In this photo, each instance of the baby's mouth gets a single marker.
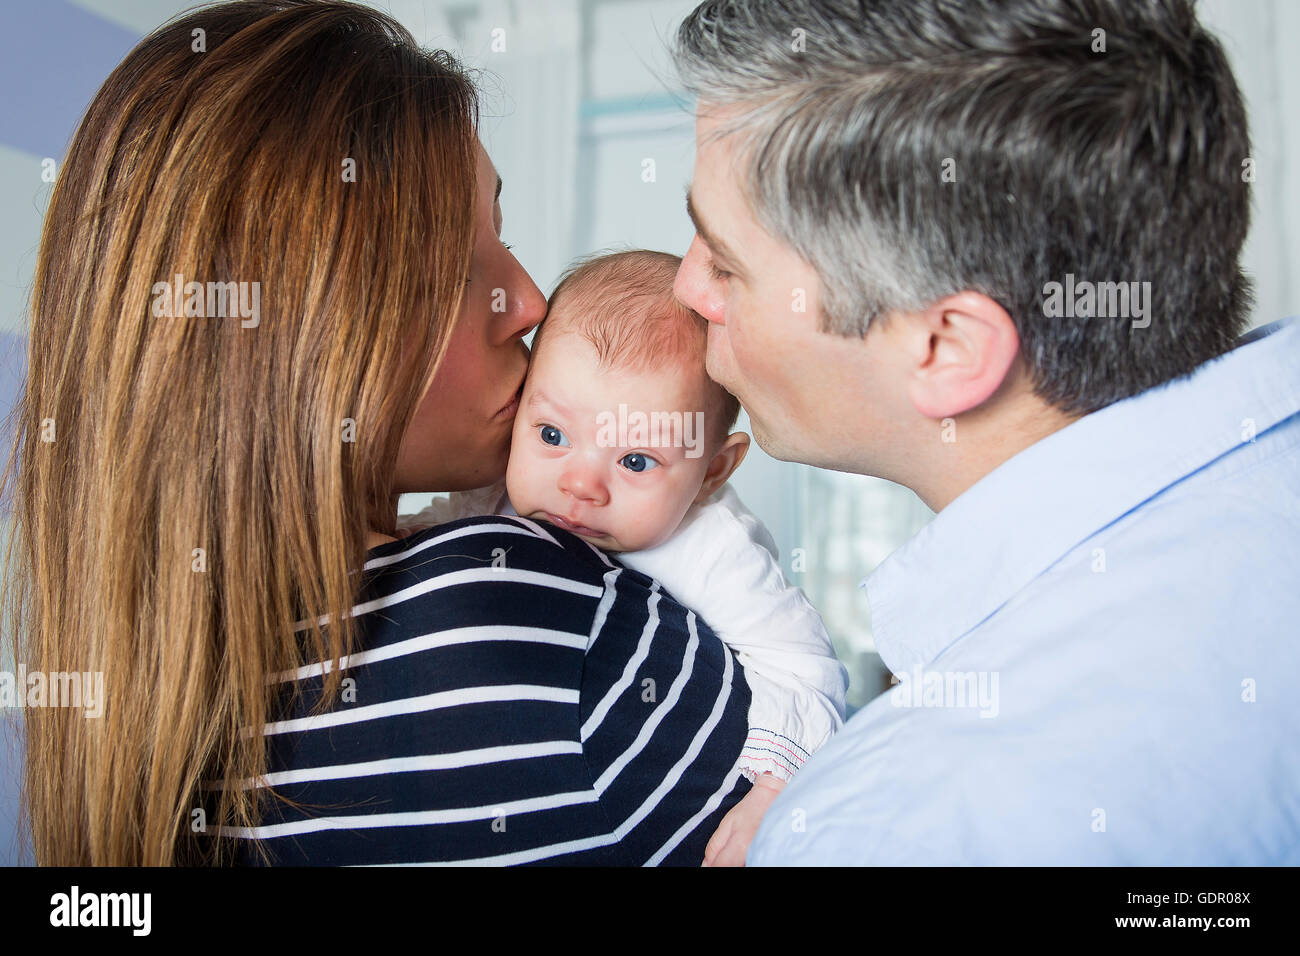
(570, 526)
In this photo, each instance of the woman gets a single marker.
(206, 495)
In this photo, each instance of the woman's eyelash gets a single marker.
(717, 273)
(508, 245)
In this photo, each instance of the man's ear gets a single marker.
(724, 462)
(960, 350)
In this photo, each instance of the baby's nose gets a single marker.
(583, 484)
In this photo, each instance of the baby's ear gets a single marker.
(724, 462)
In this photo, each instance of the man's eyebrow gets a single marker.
(716, 245)
(498, 192)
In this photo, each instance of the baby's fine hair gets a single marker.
(623, 304)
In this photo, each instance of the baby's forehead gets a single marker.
(567, 364)
(571, 363)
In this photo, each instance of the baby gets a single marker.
(622, 439)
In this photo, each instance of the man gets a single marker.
(990, 251)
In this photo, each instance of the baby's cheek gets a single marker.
(517, 484)
(652, 525)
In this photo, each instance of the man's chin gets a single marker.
(773, 445)
(764, 440)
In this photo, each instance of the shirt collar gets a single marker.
(1026, 514)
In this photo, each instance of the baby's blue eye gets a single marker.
(638, 462)
(553, 436)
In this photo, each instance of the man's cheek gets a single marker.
(715, 363)
(715, 339)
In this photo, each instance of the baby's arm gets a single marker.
(723, 564)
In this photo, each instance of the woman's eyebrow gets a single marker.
(498, 192)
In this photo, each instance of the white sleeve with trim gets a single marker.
(723, 564)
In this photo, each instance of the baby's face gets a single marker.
(566, 465)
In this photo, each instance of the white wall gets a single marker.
(1260, 37)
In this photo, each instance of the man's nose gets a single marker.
(581, 481)
(693, 286)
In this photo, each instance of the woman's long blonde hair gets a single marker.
(187, 488)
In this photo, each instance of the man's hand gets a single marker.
(728, 846)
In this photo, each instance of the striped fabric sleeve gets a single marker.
(664, 716)
(517, 698)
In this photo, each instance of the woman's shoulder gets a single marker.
(509, 548)
(482, 571)
(507, 669)
(459, 709)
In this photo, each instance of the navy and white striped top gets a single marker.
(518, 698)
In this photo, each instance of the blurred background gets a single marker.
(578, 95)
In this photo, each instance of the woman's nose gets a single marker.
(580, 481)
(529, 305)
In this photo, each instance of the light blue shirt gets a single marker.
(1100, 650)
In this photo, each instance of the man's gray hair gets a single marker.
(912, 150)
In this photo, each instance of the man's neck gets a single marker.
(977, 444)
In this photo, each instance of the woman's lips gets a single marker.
(570, 526)
(509, 409)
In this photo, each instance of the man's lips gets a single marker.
(570, 526)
